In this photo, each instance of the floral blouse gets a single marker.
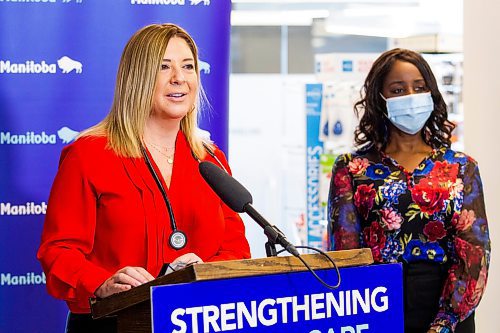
(435, 213)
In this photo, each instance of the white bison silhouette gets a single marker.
(204, 66)
(196, 2)
(66, 64)
(66, 134)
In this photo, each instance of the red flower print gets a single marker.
(390, 219)
(443, 172)
(465, 221)
(471, 254)
(374, 238)
(470, 298)
(473, 292)
(434, 230)
(342, 181)
(454, 219)
(345, 240)
(456, 188)
(450, 284)
(358, 165)
(429, 197)
(364, 198)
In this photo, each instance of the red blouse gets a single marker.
(106, 212)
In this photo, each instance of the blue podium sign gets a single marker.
(290, 302)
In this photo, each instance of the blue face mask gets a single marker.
(409, 112)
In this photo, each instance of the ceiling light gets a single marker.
(276, 18)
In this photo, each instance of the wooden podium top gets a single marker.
(228, 269)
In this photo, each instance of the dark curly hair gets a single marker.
(373, 128)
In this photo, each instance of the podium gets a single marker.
(133, 308)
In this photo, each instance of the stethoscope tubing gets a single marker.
(162, 189)
(212, 154)
(176, 234)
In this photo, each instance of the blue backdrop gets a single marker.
(58, 61)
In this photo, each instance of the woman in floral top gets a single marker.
(411, 199)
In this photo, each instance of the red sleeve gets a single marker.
(68, 232)
(234, 244)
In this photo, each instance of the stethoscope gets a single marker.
(177, 238)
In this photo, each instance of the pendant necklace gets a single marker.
(170, 158)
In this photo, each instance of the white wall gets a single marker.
(482, 121)
(267, 149)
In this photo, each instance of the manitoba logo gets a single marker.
(158, 2)
(66, 135)
(204, 66)
(29, 208)
(197, 2)
(30, 278)
(29, 138)
(65, 64)
(27, 67)
(37, 1)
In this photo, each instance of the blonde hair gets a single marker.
(139, 65)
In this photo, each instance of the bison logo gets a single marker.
(197, 2)
(66, 64)
(66, 134)
(204, 66)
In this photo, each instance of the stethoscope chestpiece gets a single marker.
(177, 239)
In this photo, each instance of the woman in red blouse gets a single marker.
(107, 227)
(412, 199)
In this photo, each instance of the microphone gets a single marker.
(237, 197)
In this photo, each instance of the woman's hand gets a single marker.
(431, 331)
(186, 259)
(123, 280)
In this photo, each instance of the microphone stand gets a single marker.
(270, 248)
(274, 235)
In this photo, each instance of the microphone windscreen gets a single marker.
(231, 192)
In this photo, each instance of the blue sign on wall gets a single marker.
(58, 62)
(347, 65)
(315, 213)
(292, 302)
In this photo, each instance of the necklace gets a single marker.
(170, 158)
(160, 147)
